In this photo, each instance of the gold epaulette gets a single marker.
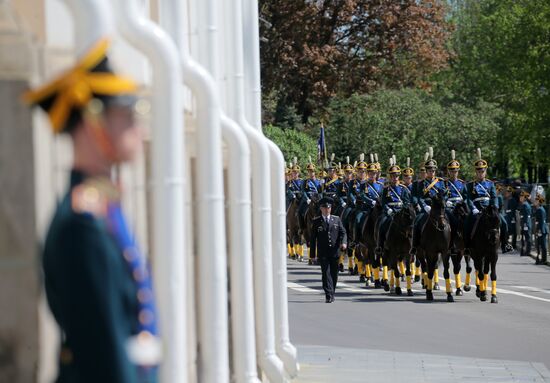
(93, 196)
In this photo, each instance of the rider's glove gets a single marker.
(344, 204)
(427, 209)
(308, 201)
(373, 202)
(390, 211)
(475, 211)
(449, 204)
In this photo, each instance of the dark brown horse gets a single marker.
(367, 242)
(398, 245)
(460, 214)
(294, 233)
(485, 243)
(435, 241)
(311, 212)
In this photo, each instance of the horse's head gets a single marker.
(406, 216)
(438, 202)
(315, 198)
(461, 210)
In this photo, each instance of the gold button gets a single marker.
(146, 317)
(66, 356)
(140, 274)
(130, 253)
(144, 295)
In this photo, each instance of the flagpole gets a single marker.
(325, 141)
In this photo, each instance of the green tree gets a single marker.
(293, 144)
(316, 50)
(406, 123)
(502, 55)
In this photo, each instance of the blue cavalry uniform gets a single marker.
(456, 194)
(294, 187)
(541, 233)
(367, 193)
(480, 194)
(526, 226)
(332, 188)
(310, 187)
(347, 193)
(394, 198)
(97, 282)
(426, 190)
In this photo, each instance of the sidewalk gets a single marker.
(320, 364)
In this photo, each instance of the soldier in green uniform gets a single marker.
(97, 282)
(541, 232)
(525, 214)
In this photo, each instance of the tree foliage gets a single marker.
(502, 55)
(293, 144)
(319, 49)
(406, 123)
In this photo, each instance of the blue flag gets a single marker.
(321, 145)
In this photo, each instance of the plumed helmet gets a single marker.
(453, 163)
(408, 171)
(480, 163)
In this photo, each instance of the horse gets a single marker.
(398, 245)
(367, 242)
(294, 233)
(460, 213)
(435, 241)
(312, 211)
(347, 215)
(485, 242)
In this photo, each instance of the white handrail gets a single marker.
(168, 181)
(93, 21)
(261, 198)
(212, 322)
(285, 349)
(238, 199)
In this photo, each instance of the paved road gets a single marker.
(365, 319)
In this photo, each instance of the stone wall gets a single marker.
(19, 277)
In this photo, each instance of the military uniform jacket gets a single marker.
(311, 187)
(395, 197)
(511, 208)
(429, 188)
(347, 191)
(525, 213)
(91, 294)
(540, 218)
(481, 194)
(293, 187)
(332, 188)
(326, 239)
(456, 190)
(368, 191)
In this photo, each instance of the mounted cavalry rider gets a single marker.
(408, 174)
(294, 185)
(395, 196)
(416, 187)
(456, 189)
(310, 187)
(427, 189)
(367, 189)
(378, 177)
(333, 185)
(480, 194)
(346, 191)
